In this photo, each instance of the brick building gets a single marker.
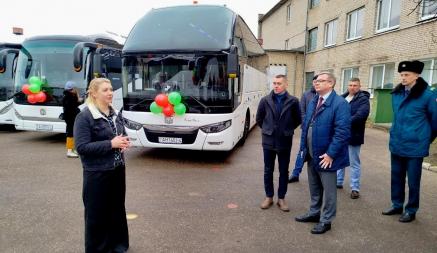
(360, 38)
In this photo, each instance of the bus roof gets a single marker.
(183, 28)
(97, 38)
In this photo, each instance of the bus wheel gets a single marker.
(246, 129)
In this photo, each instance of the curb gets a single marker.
(428, 166)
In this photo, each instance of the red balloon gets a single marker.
(25, 89)
(41, 97)
(32, 98)
(168, 111)
(161, 100)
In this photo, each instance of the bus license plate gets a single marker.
(170, 140)
(42, 127)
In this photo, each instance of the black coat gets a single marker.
(70, 104)
(93, 135)
(360, 108)
(278, 130)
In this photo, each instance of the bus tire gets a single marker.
(246, 129)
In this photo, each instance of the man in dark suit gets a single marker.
(278, 115)
(324, 145)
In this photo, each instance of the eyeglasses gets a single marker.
(322, 81)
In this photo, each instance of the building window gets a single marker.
(347, 74)
(288, 13)
(429, 9)
(314, 3)
(429, 73)
(309, 80)
(381, 77)
(312, 39)
(388, 14)
(286, 44)
(330, 33)
(355, 24)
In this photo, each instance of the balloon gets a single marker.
(25, 89)
(168, 111)
(35, 88)
(174, 98)
(41, 97)
(35, 80)
(155, 108)
(180, 109)
(32, 98)
(161, 100)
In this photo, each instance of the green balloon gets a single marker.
(180, 109)
(35, 88)
(35, 80)
(174, 98)
(155, 108)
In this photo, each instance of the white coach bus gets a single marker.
(49, 61)
(206, 53)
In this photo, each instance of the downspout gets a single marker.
(305, 48)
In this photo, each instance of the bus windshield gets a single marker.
(200, 79)
(7, 80)
(52, 62)
(206, 28)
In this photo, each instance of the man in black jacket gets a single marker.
(360, 106)
(278, 115)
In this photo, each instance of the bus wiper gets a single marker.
(200, 103)
(16, 94)
(137, 104)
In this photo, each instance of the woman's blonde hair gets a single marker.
(93, 87)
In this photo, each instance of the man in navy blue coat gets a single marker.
(278, 115)
(414, 128)
(359, 101)
(324, 145)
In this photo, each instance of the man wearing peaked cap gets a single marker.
(413, 129)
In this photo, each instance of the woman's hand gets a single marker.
(120, 141)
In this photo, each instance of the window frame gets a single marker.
(287, 43)
(388, 28)
(422, 8)
(371, 88)
(288, 17)
(312, 5)
(334, 23)
(316, 29)
(343, 79)
(348, 20)
(432, 70)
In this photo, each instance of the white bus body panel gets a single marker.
(38, 118)
(254, 88)
(6, 112)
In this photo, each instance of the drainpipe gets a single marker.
(305, 48)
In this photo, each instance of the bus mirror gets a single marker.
(233, 62)
(78, 53)
(97, 64)
(4, 56)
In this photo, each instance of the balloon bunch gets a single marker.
(168, 104)
(33, 90)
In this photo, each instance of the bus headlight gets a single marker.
(216, 127)
(132, 124)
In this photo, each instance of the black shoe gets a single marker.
(339, 186)
(293, 179)
(308, 218)
(407, 217)
(321, 228)
(355, 194)
(392, 211)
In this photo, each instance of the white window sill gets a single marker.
(387, 29)
(355, 38)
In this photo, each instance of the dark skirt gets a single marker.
(105, 214)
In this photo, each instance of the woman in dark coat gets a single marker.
(100, 142)
(70, 104)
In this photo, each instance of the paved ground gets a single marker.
(183, 200)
